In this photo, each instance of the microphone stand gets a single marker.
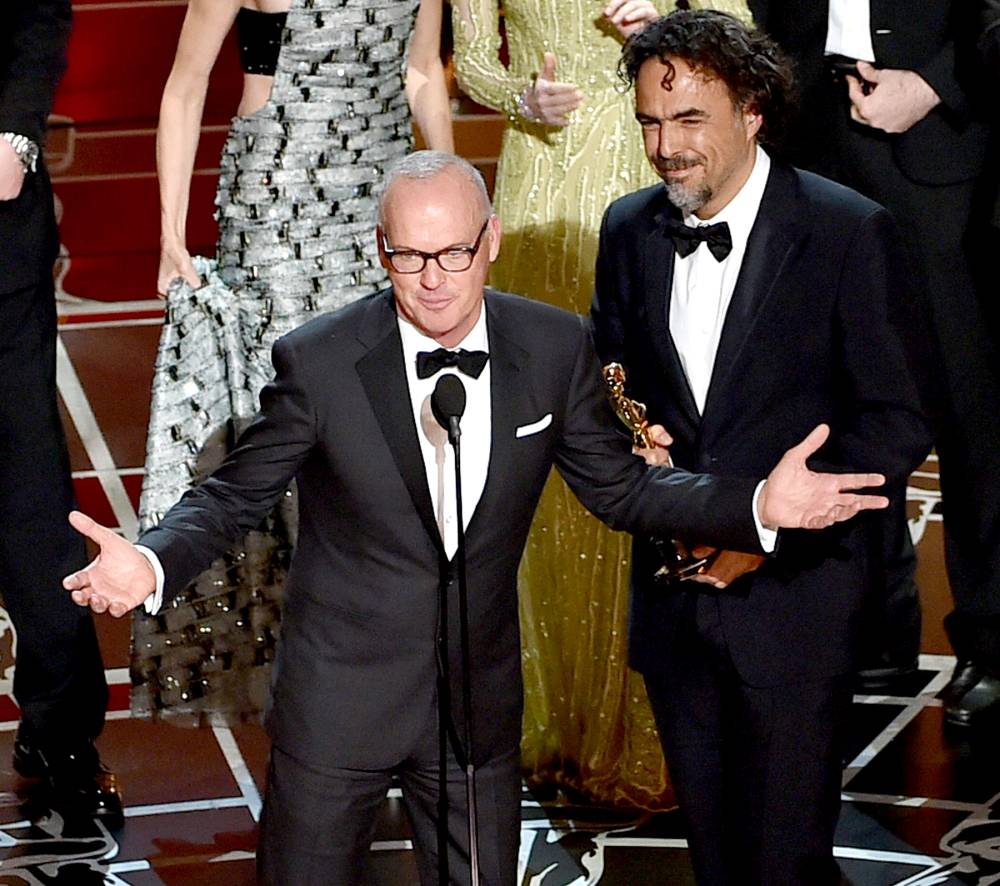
(454, 437)
(444, 719)
(448, 405)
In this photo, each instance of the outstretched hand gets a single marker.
(118, 579)
(795, 497)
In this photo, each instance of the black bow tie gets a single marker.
(686, 238)
(469, 362)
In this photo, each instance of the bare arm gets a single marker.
(426, 90)
(205, 27)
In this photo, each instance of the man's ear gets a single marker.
(752, 120)
(496, 233)
(380, 242)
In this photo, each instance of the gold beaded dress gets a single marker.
(587, 722)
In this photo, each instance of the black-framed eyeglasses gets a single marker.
(452, 259)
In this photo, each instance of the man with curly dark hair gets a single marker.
(748, 300)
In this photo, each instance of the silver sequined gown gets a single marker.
(296, 210)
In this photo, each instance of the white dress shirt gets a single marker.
(701, 290)
(439, 455)
(848, 29)
(702, 286)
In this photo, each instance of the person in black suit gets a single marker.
(354, 695)
(59, 678)
(901, 124)
(746, 301)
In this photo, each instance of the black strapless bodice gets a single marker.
(259, 36)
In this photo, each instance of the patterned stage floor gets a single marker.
(922, 807)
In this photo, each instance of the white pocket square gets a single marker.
(534, 427)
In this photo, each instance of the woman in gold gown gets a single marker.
(571, 146)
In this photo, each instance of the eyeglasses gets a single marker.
(452, 259)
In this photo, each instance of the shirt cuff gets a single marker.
(768, 537)
(154, 601)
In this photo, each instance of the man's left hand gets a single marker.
(896, 100)
(11, 171)
(795, 497)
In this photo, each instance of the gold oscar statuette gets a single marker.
(680, 562)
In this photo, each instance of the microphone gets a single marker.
(448, 404)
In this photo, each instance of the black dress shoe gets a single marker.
(963, 678)
(977, 705)
(78, 782)
(883, 675)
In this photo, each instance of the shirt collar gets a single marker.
(414, 341)
(741, 212)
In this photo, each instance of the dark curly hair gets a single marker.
(758, 74)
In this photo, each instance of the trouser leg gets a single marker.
(317, 826)
(59, 678)
(756, 770)
(498, 811)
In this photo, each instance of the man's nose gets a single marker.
(431, 277)
(666, 143)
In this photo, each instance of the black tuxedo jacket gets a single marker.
(33, 35)
(355, 672)
(807, 339)
(935, 38)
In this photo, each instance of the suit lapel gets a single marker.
(508, 365)
(383, 377)
(770, 243)
(658, 269)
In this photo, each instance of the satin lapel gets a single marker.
(383, 377)
(509, 397)
(657, 275)
(770, 243)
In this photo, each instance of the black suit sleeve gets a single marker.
(621, 490)
(32, 61)
(246, 486)
(606, 310)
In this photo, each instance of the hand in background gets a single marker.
(796, 498)
(896, 99)
(660, 454)
(175, 262)
(629, 16)
(549, 101)
(118, 579)
(11, 172)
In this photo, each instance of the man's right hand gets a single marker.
(118, 579)
(175, 262)
(794, 497)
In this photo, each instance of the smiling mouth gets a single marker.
(435, 304)
(671, 169)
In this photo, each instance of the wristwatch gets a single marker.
(24, 147)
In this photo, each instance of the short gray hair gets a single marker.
(428, 164)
